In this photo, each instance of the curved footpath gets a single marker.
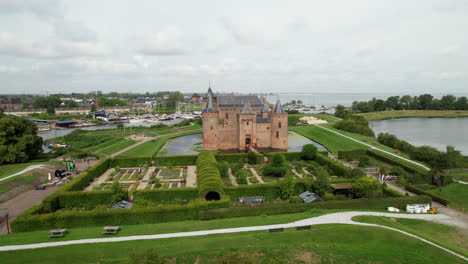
(334, 218)
(29, 168)
(372, 147)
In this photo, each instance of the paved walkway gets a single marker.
(335, 218)
(254, 172)
(29, 168)
(233, 179)
(372, 147)
(297, 173)
(145, 180)
(191, 180)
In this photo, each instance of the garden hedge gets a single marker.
(130, 162)
(436, 198)
(208, 177)
(337, 168)
(179, 160)
(88, 199)
(290, 156)
(286, 208)
(408, 166)
(351, 154)
(104, 217)
(166, 195)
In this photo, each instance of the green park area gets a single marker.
(330, 243)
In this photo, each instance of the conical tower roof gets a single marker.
(266, 108)
(247, 109)
(209, 105)
(278, 108)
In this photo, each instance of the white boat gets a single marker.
(136, 120)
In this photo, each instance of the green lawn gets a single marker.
(116, 147)
(322, 244)
(444, 235)
(331, 141)
(462, 176)
(161, 228)
(457, 194)
(8, 169)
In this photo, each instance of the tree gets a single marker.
(117, 193)
(341, 112)
(293, 102)
(322, 182)
(461, 103)
(70, 103)
(366, 187)
(299, 102)
(93, 108)
(278, 166)
(425, 101)
(405, 102)
(195, 95)
(103, 101)
(18, 139)
(392, 103)
(309, 151)
(287, 186)
(447, 102)
(49, 102)
(355, 173)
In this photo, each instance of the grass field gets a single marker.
(447, 236)
(116, 147)
(322, 244)
(161, 228)
(8, 169)
(414, 113)
(331, 141)
(457, 193)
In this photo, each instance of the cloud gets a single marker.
(11, 45)
(74, 31)
(8, 69)
(450, 75)
(43, 9)
(167, 42)
(450, 50)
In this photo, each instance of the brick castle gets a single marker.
(242, 122)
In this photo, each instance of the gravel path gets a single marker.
(334, 218)
(254, 172)
(233, 179)
(191, 180)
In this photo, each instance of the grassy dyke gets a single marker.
(332, 243)
(9, 169)
(456, 193)
(331, 141)
(116, 147)
(414, 113)
(447, 236)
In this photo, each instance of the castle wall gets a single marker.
(228, 128)
(263, 135)
(279, 131)
(246, 129)
(210, 130)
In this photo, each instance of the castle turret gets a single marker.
(279, 127)
(210, 118)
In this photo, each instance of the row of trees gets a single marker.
(437, 159)
(355, 124)
(407, 102)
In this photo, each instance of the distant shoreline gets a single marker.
(383, 115)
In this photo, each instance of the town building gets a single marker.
(243, 122)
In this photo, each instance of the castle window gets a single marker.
(227, 116)
(211, 127)
(277, 134)
(268, 128)
(247, 122)
(279, 124)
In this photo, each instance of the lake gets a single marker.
(192, 144)
(435, 132)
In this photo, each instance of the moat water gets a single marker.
(435, 132)
(192, 144)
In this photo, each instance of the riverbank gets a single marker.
(414, 113)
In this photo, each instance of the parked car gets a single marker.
(39, 187)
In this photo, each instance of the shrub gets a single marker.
(337, 168)
(322, 184)
(309, 151)
(295, 199)
(117, 193)
(287, 187)
(366, 187)
(355, 173)
(277, 166)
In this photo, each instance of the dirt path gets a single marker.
(29, 168)
(233, 179)
(297, 173)
(254, 172)
(24, 201)
(334, 218)
(132, 146)
(191, 180)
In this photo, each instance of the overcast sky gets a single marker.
(242, 46)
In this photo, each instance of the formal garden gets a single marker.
(209, 186)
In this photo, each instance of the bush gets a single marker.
(295, 199)
(337, 168)
(309, 151)
(355, 173)
(163, 196)
(366, 187)
(287, 187)
(355, 124)
(277, 166)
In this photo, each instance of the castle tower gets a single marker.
(210, 116)
(247, 127)
(279, 127)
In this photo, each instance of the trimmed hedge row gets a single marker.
(130, 162)
(166, 195)
(208, 177)
(408, 166)
(286, 208)
(290, 156)
(391, 193)
(87, 199)
(337, 168)
(422, 192)
(232, 158)
(100, 217)
(179, 160)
